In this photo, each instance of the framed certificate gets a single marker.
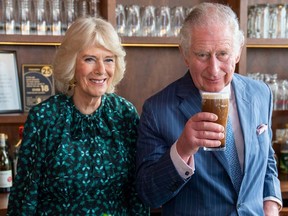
(38, 84)
(10, 95)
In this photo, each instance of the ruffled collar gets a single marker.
(96, 123)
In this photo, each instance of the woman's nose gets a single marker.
(100, 67)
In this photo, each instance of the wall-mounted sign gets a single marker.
(10, 95)
(38, 84)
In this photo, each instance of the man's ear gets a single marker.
(239, 54)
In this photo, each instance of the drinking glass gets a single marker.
(133, 20)
(56, 17)
(148, 23)
(68, 14)
(262, 21)
(217, 103)
(281, 95)
(178, 17)
(286, 22)
(40, 17)
(251, 22)
(2, 17)
(273, 84)
(10, 15)
(25, 16)
(277, 21)
(94, 8)
(282, 20)
(83, 8)
(163, 21)
(120, 19)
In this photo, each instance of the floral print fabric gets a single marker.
(76, 164)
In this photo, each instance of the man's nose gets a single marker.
(214, 65)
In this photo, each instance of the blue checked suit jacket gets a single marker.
(209, 191)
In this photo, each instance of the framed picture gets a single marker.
(10, 95)
(38, 84)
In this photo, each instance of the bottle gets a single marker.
(16, 149)
(5, 167)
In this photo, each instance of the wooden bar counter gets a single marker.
(3, 203)
(284, 188)
(284, 185)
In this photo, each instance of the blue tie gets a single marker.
(232, 158)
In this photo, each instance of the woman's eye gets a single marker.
(89, 60)
(109, 60)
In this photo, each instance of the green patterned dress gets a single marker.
(76, 164)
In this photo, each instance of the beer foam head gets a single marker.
(215, 95)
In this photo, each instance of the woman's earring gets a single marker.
(72, 84)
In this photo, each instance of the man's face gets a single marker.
(212, 58)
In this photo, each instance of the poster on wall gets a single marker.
(10, 95)
(38, 84)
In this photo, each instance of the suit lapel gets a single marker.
(190, 99)
(190, 104)
(246, 117)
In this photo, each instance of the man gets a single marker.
(174, 171)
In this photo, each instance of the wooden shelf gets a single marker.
(267, 43)
(50, 40)
(150, 41)
(280, 113)
(18, 118)
(30, 40)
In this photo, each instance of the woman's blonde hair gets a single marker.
(83, 33)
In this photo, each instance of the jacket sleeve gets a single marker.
(271, 183)
(157, 178)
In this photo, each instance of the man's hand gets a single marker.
(199, 131)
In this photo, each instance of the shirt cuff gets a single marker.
(271, 198)
(184, 169)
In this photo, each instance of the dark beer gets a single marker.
(217, 103)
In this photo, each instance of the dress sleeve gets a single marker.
(23, 196)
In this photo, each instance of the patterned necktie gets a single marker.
(232, 158)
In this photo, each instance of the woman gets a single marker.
(78, 151)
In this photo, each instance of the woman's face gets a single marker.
(95, 67)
